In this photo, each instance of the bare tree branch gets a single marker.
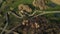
(7, 21)
(13, 28)
(47, 12)
(8, 30)
(16, 15)
(35, 13)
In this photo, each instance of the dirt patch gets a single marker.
(56, 1)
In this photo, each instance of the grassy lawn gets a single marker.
(21, 2)
(50, 4)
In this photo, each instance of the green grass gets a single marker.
(16, 3)
(21, 2)
(56, 8)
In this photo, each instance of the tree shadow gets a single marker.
(51, 4)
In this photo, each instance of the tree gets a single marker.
(24, 8)
(40, 4)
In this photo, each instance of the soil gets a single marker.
(56, 1)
